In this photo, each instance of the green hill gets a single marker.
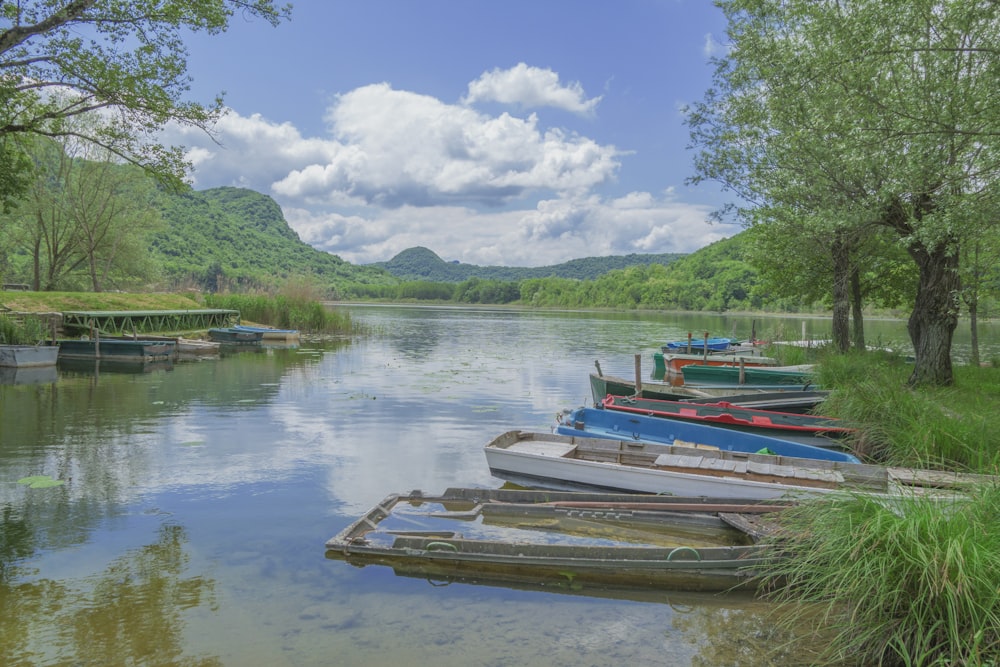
(422, 264)
(238, 236)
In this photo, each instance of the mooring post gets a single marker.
(638, 374)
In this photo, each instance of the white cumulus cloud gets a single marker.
(398, 169)
(529, 87)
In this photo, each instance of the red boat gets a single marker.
(810, 429)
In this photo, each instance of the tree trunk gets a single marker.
(857, 315)
(974, 337)
(840, 250)
(935, 314)
(36, 259)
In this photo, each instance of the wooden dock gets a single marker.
(126, 321)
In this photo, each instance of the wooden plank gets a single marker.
(753, 526)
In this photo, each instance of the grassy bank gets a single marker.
(293, 311)
(911, 581)
(52, 302)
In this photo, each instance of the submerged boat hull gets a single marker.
(559, 537)
(234, 336)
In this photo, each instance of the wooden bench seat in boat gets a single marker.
(758, 469)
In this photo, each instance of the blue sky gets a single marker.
(521, 133)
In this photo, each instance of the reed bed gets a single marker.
(286, 312)
(26, 331)
(907, 582)
(913, 581)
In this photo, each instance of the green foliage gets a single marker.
(906, 581)
(829, 125)
(423, 264)
(126, 60)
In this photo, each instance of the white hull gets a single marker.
(522, 463)
(568, 461)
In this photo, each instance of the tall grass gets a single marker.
(908, 581)
(26, 332)
(286, 312)
(954, 428)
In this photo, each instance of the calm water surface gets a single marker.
(198, 498)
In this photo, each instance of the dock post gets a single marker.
(638, 375)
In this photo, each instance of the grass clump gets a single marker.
(285, 312)
(949, 428)
(903, 581)
(28, 331)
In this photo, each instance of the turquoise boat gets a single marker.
(757, 376)
(269, 334)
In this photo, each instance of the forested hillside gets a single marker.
(423, 264)
(236, 237)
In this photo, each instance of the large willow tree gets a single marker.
(123, 60)
(847, 114)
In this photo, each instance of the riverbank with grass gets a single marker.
(914, 581)
(280, 311)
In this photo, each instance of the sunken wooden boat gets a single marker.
(698, 544)
(554, 461)
(28, 356)
(792, 399)
(234, 336)
(806, 428)
(601, 423)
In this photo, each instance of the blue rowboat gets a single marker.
(600, 423)
(713, 344)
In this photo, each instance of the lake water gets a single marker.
(197, 499)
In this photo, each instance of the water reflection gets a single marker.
(131, 612)
(37, 375)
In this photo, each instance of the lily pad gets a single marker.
(40, 482)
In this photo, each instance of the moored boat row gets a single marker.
(647, 458)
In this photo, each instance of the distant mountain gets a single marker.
(422, 264)
(240, 236)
